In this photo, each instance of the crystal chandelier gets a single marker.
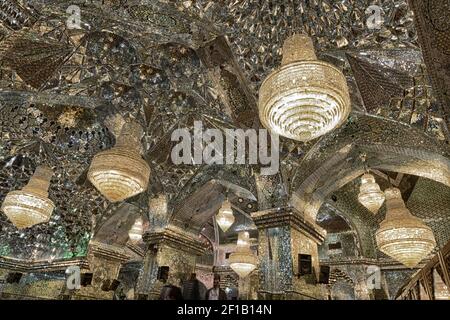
(225, 217)
(243, 261)
(401, 235)
(305, 98)
(136, 231)
(31, 205)
(370, 194)
(120, 172)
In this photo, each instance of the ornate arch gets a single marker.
(388, 145)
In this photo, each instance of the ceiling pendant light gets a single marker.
(225, 217)
(401, 235)
(305, 98)
(136, 231)
(120, 172)
(243, 261)
(370, 194)
(31, 205)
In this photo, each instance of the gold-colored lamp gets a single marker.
(225, 217)
(305, 98)
(401, 235)
(136, 231)
(370, 194)
(243, 261)
(31, 205)
(120, 172)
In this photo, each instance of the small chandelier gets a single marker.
(370, 194)
(243, 261)
(31, 205)
(401, 235)
(136, 231)
(120, 172)
(306, 98)
(225, 217)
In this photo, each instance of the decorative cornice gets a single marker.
(41, 266)
(135, 249)
(385, 264)
(280, 217)
(176, 239)
(108, 252)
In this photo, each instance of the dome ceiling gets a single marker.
(64, 94)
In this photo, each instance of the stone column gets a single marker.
(244, 288)
(171, 247)
(283, 235)
(105, 262)
(248, 286)
(147, 275)
(3, 275)
(158, 217)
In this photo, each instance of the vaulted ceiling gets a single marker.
(64, 94)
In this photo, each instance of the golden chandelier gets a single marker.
(31, 205)
(370, 195)
(120, 172)
(225, 217)
(305, 98)
(243, 261)
(401, 235)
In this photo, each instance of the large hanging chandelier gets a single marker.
(401, 235)
(31, 205)
(370, 194)
(136, 231)
(120, 172)
(225, 217)
(305, 98)
(243, 261)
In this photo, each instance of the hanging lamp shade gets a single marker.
(120, 172)
(401, 235)
(243, 261)
(31, 205)
(305, 98)
(136, 231)
(370, 194)
(225, 217)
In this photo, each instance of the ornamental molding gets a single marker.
(281, 217)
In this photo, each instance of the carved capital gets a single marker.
(176, 238)
(279, 217)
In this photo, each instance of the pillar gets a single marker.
(171, 247)
(283, 235)
(105, 262)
